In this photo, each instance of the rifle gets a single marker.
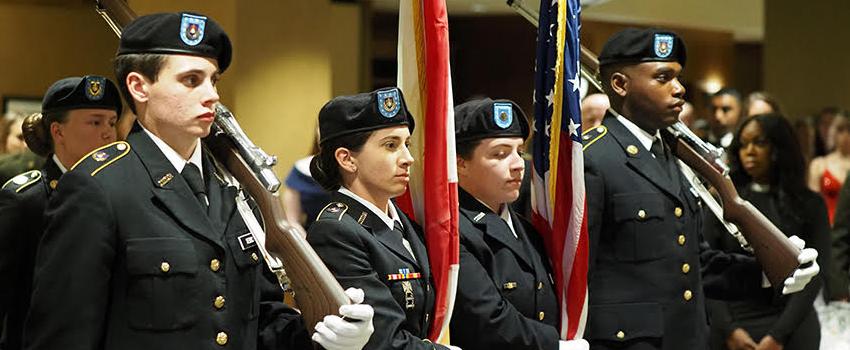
(316, 290)
(776, 254)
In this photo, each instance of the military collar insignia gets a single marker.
(478, 217)
(362, 217)
(94, 87)
(503, 114)
(388, 102)
(663, 45)
(165, 179)
(192, 29)
(53, 184)
(632, 150)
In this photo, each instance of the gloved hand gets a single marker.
(452, 347)
(336, 333)
(578, 344)
(802, 276)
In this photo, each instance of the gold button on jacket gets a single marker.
(221, 338)
(165, 266)
(688, 295)
(215, 265)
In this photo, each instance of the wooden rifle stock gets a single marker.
(776, 254)
(317, 292)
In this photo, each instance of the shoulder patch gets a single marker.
(102, 157)
(333, 211)
(590, 136)
(22, 181)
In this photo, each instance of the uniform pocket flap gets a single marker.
(623, 322)
(245, 252)
(161, 256)
(637, 206)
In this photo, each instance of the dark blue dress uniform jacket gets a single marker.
(131, 260)
(363, 252)
(650, 269)
(21, 225)
(505, 297)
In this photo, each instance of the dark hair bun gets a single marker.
(328, 180)
(36, 135)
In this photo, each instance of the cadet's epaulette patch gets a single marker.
(590, 136)
(333, 211)
(22, 181)
(102, 157)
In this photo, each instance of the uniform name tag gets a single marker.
(247, 241)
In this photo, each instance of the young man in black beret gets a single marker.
(78, 115)
(649, 269)
(145, 247)
(505, 295)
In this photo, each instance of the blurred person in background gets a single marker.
(593, 108)
(303, 197)
(760, 102)
(767, 169)
(823, 121)
(725, 115)
(17, 157)
(827, 173)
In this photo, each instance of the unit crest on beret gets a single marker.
(333, 211)
(22, 181)
(592, 135)
(102, 157)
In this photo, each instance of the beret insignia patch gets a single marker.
(192, 29)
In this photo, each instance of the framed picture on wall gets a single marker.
(22, 105)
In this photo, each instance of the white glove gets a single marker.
(578, 344)
(452, 347)
(802, 276)
(336, 333)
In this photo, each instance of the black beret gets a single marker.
(633, 45)
(378, 109)
(177, 33)
(90, 91)
(485, 118)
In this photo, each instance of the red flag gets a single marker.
(425, 78)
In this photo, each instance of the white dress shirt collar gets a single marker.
(59, 164)
(175, 158)
(388, 218)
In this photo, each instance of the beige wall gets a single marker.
(42, 44)
(806, 54)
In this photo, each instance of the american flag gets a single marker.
(425, 78)
(558, 207)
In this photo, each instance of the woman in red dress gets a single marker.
(827, 173)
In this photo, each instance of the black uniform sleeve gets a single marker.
(800, 304)
(280, 326)
(345, 254)
(11, 238)
(480, 306)
(73, 268)
(594, 185)
(728, 276)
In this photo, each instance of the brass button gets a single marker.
(215, 265)
(255, 257)
(221, 338)
(632, 149)
(219, 302)
(541, 315)
(678, 212)
(539, 285)
(641, 214)
(688, 295)
(165, 266)
(509, 285)
(686, 268)
(681, 240)
(621, 335)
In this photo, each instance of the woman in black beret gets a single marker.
(362, 236)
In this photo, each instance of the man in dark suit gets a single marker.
(649, 269)
(79, 115)
(505, 295)
(145, 248)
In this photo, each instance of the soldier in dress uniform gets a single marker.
(650, 269)
(78, 115)
(144, 246)
(505, 289)
(363, 238)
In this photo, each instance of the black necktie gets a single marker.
(657, 149)
(192, 175)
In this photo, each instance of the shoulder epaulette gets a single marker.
(333, 211)
(102, 157)
(592, 135)
(22, 181)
